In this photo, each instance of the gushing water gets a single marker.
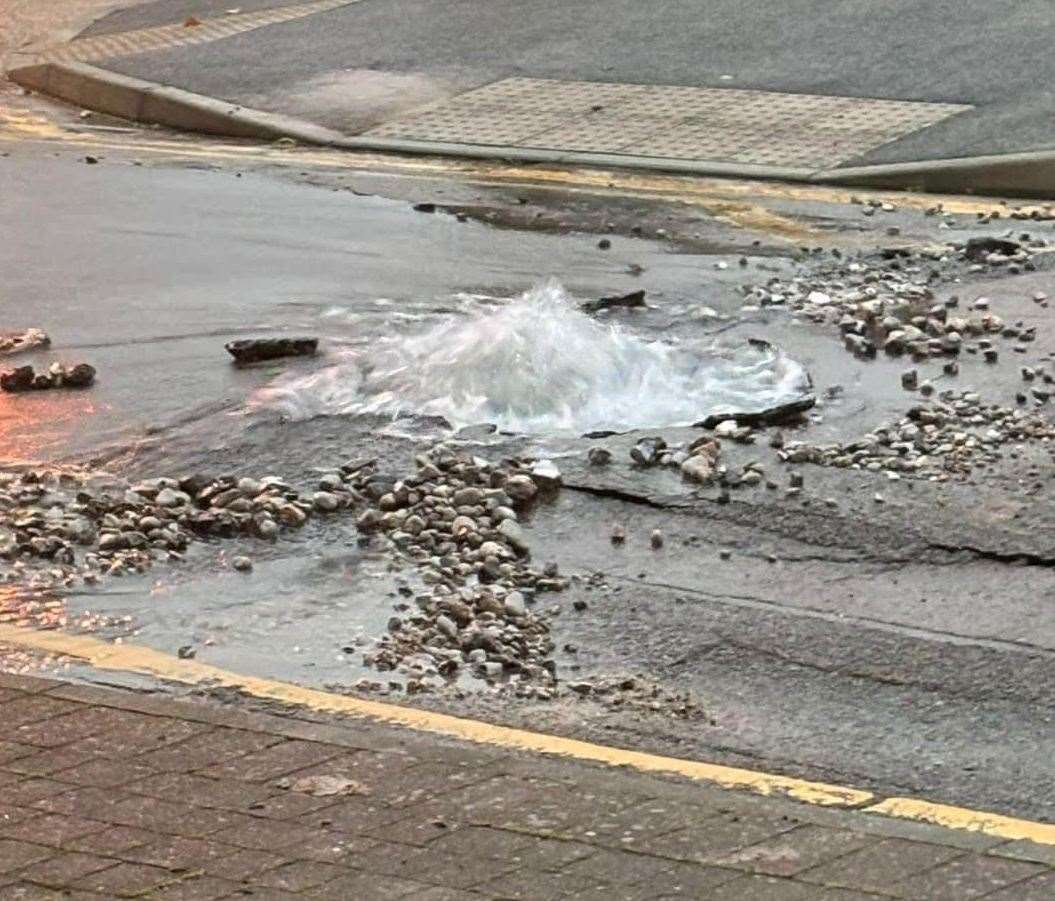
(538, 365)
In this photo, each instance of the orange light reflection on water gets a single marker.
(27, 609)
(36, 421)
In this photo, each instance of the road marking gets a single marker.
(146, 661)
(965, 820)
(177, 34)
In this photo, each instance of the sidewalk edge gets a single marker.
(147, 661)
(1027, 175)
(119, 95)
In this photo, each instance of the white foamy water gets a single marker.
(538, 365)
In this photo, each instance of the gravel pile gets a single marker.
(939, 441)
(457, 520)
(59, 528)
(888, 304)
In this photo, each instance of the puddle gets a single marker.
(538, 365)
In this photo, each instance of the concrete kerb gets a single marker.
(1027, 175)
(108, 92)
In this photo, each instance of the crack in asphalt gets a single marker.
(891, 679)
(661, 503)
(865, 555)
(1008, 558)
(769, 604)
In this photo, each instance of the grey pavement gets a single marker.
(357, 66)
(116, 795)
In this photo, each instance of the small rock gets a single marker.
(698, 468)
(546, 475)
(511, 530)
(325, 502)
(242, 564)
(291, 515)
(326, 786)
(446, 626)
(647, 450)
(910, 379)
(656, 539)
(599, 456)
(514, 604)
(618, 535)
(169, 498)
(520, 488)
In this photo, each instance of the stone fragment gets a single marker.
(255, 350)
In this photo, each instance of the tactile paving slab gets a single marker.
(180, 34)
(670, 122)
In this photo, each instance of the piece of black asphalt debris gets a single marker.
(633, 300)
(255, 350)
(978, 249)
(769, 416)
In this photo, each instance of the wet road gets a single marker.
(895, 646)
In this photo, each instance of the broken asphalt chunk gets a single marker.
(633, 300)
(255, 350)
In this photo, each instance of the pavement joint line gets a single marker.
(178, 34)
(147, 661)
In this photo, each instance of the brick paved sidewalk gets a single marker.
(113, 794)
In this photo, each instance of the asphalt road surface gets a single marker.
(355, 66)
(907, 646)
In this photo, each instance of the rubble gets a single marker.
(941, 440)
(78, 527)
(29, 339)
(255, 350)
(25, 378)
(453, 519)
(633, 300)
(888, 303)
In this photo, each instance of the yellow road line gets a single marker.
(146, 661)
(965, 820)
(137, 659)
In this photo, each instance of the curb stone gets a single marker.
(155, 104)
(1027, 175)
